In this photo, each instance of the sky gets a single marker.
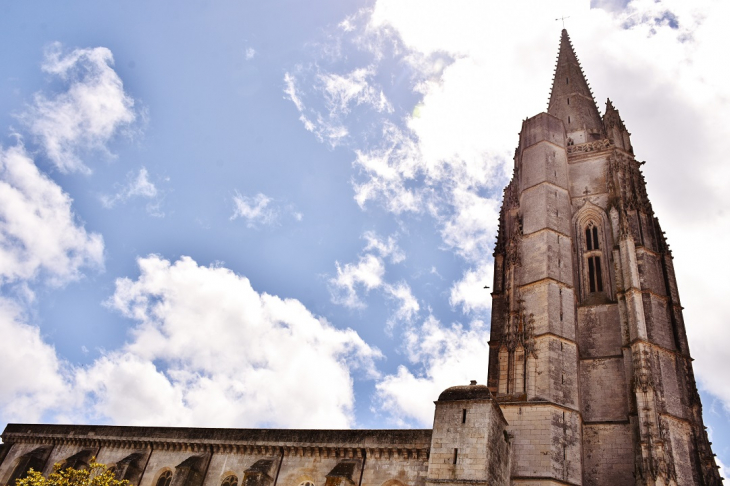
(282, 213)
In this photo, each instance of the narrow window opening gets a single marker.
(599, 280)
(463, 416)
(456, 455)
(591, 275)
(568, 118)
(562, 379)
(589, 241)
(566, 80)
(568, 100)
(595, 238)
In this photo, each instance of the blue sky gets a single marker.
(282, 213)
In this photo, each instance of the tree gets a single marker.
(94, 475)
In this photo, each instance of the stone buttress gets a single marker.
(588, 352)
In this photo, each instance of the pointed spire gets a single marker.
(571, 99)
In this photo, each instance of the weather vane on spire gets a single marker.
(563, 20)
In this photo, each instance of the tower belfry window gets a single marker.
(592, 259)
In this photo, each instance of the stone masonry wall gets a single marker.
(546, 442)
(608, 454)
(290, 457)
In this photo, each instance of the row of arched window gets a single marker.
(165, 479)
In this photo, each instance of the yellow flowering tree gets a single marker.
(95, 475)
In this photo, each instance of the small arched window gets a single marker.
(165, 478)
(593, 258)
(231, 480)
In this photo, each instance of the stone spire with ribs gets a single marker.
(571, 99)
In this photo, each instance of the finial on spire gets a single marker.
(563, 20)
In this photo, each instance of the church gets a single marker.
(590, 378)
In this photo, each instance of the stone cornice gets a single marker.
(404, 452)
(590, 147)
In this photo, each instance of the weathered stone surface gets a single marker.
(469, 441)
(603, 390)
(599, 331)
(256, 457)
(595, 286)
(608, 453)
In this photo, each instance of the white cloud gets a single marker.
(354, 279)
(209, 349)
(40, 241)
(33, 377)
(290, 89)
(408, 308)
(262, 210)
(386, 170)
(39, 234)
(92, 110)
(446, 356)
(341, 93)
(354, 88)
(250, 53)
(137, 186)
(256, 210)
(366, 274)
(386, 248)
(469, 292)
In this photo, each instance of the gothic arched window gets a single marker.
(592, 258)
(231, 480)
(165, 478)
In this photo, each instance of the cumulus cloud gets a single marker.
(39, 233)
(87, 115)
(441, 356)
(136, 186)
(41, 241)
(33, 377)
(209, 349)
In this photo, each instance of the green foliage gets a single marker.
(95, 475)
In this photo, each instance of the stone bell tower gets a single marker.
(589, 359)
